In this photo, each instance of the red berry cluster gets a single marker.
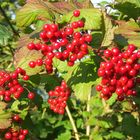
(119, 72)
(16, 134)
(58, 97)
(10, 86)
(64, 44)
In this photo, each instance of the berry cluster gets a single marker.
(58, 97)
(64, 44)
(16, 134)
(10, 86)
(119, 72)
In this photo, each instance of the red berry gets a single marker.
(88, 38)
(31, 95)
(39, 62)
(16, 118)
(107, 53)
(32, 64)
(99, 88)
(81, 23)
(25, 132)
(49, 34)
(25, 77)
(76, 13)
(46, 27)
(69, 31)
(74, 25)
(58, 55)
(21, 137)
(31, 46)
(70, 63)
(115, 51)
(8, 136)
(53, 27)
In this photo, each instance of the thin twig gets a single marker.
(72, 123)
(88, 110)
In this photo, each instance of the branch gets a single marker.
(72, 123)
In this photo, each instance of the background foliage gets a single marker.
(113, 24)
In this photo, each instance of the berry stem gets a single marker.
(72, 123)
(88, 110)
(43, 113)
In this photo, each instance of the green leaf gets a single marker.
(128, 123)
(30, 12)
(2, 105)
(97, 137)
(15, 105)
(128, 33)
(64, 136)
(108, 30)
(22, 58)
(61, 66)
(5, 116)
(131, 8)
(118, 135)
(16, 108)
(83, 77)
(5, 35)
(92, 17)
(112, 100)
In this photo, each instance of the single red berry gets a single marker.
(50, 34)
(76, 13)
(31, 46)
(32, 64)
(70, 63)
(80, 55)
(25, 77)
(17, 94)
(8, 136)
(31, 95)
(120, 98)
(115, 51)
(107, 53)
(88, 38)
(98, 87)
(61, 111)
(73, 57)
(46, 27)
(7, 98)
(77, 35)
(43, 35)
(39, 62)
(74, 25)
(21, 137)
(25, 132)
(69, 31)
(65, 54)
(16, 118)
(53, 27)
(64, 42)
(81, 23)
(131, 47)
(58, 55)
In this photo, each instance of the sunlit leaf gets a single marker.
(92, 17)
(30, 12)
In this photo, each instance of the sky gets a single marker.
(98, 1)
